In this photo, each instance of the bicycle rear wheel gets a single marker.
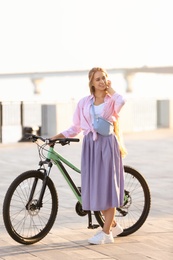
(25, 222)
(137, 201)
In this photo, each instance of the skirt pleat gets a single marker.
(102, 173)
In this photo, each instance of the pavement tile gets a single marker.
(149, 152)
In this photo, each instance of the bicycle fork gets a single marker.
(37, 205)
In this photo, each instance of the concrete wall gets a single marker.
(137, 115)
(56, 117)
(165, 113)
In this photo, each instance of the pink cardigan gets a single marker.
(82, 118)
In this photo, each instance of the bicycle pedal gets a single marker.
(93, 226)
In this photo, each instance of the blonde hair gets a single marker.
(117, 132)
(91, 76)
(119, 136)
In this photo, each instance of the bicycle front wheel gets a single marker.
(25, 222)
(137, 200)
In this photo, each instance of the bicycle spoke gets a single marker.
(27, 221)
(136, 202)
(134, 212)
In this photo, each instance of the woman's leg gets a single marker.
(105, 236)
(109, 215)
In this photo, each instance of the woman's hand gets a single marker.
(57, 136)
(51, 144)
(109, 88)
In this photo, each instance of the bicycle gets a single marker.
(31, 203)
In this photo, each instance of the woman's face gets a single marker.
(99, 81)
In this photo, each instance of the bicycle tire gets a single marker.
(25, 223)
(136, 208)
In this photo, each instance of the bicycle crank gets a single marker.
(79, 210)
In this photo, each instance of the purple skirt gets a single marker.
(102, 173)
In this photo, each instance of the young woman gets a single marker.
(102, 176)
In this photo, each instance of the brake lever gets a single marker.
(30, 137)
(64, 142)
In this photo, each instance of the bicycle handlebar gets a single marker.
(62, 141)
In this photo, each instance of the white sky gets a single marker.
(45, 35)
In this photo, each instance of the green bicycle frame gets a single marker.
(58, 159)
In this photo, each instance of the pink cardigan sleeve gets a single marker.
(119, 101)
(113, 106)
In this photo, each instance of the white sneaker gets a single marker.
(101, 238)
(117, 230)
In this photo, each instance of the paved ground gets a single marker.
(149, 152)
